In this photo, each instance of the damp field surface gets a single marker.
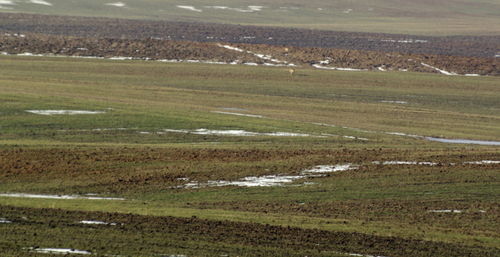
(143, 158)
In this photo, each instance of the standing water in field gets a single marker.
(274, 180)
(462, 141)
(63, 112)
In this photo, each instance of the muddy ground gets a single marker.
(471, 46)
(150, 169)
(149, 235)
(155, 49)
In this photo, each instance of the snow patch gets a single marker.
(236, 132)
(97, 222)
(273, 180)
(483, 162)
(262, 181)
(121, 58)
(7, 2)
(446, 211)
(4, 221)
(189, 7)
(330, 168)
(59, 251)
(441, 71)
(394, 102)
(63, 112)
(29, 54)
(405, 41)
(402, 134)
(318, 66)
(64, 197)
(41, 2)
(117, 4)
(249, 9)
(260, 56)
(405, 163)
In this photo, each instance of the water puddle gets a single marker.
(273, 180)
(262, 181)
(237, 132)
(462, 141)
(63, 112)
(445, 140)
(330, 168)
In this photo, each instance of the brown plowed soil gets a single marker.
(144, 231)
(150, 169)
(479, 46)
(476, 216)
(154, 49)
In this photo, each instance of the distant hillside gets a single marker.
(422, 17)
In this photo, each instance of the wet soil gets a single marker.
(157, 49)
(148, 235)
(149, 169)
(471, 216)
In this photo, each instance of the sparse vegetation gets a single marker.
(444, 207)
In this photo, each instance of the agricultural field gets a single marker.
(437, 18)
(145, 158)
(103, 28)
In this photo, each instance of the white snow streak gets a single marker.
(441, 71)
(63, 112)
(189, 7)
(117, 4)
(41, 2)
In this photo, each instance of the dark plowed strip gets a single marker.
(155, 49)
(144, 232)
(479, 46)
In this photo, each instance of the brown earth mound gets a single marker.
(479, 46)
(154, 49)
